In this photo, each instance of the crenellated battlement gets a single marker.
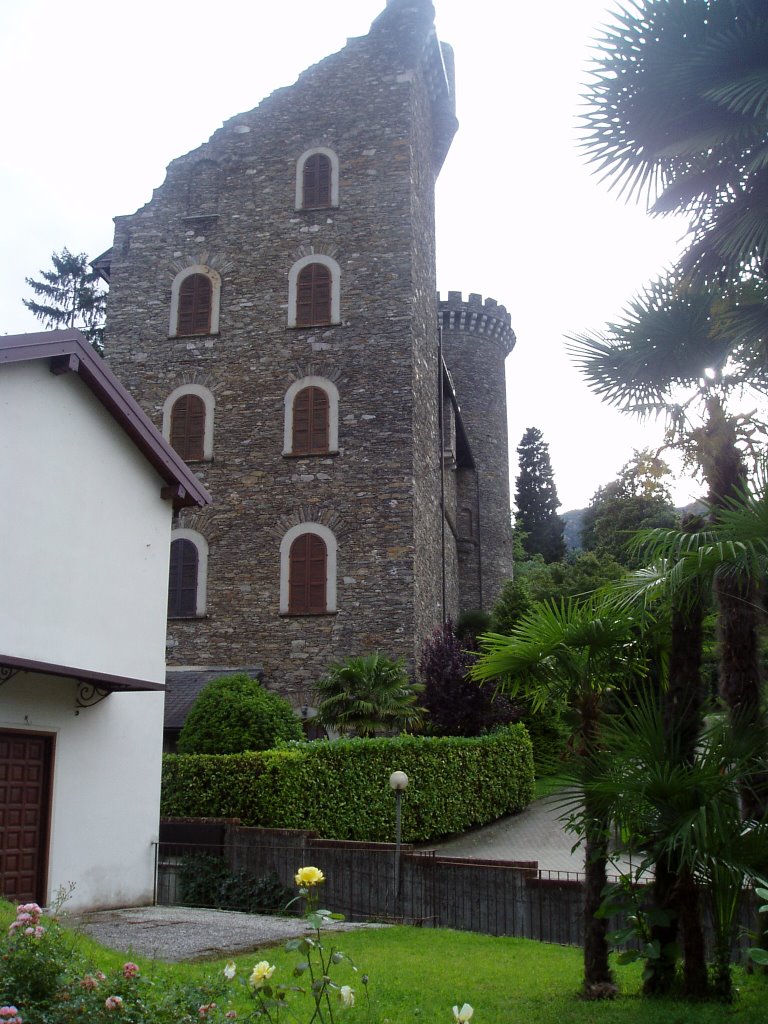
(486, 318)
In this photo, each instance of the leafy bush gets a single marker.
(45, 979)
(234, 714)
(206, 881)
(341, 789)
(456, 705)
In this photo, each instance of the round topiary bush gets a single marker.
(234, 714)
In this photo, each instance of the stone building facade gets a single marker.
(273, 308)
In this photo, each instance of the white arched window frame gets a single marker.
(202, 564)
(210, 404)
(334, 160)
(331, 559)
(215, 279)
(293, 278)
(333, 412)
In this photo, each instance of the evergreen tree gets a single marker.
(71, 296)
(536, 499)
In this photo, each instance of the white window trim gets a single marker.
(202, 565)
(300, 177)
(210, 404)
(215, 277)
(333, 412)
(293, 278)
(330, 564)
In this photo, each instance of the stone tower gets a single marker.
(273, 309)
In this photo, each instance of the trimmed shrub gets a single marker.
(234, 714)
(341, 789)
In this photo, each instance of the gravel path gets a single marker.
(180, 933)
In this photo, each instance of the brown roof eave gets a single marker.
(69, 352)
(101, 680)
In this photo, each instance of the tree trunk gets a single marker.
(695, 975)
(738, 611)
(660, 972)
(598, 980)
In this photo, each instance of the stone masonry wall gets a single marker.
(230, 205)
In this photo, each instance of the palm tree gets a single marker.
(676, 113)
(367, 694)
(682, 812)
(673, 353)
(576, 653)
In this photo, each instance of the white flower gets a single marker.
(464, 1014)
(347, 995)
(230, 970)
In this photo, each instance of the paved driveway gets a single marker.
(536, 834)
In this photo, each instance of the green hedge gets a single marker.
(341, 788)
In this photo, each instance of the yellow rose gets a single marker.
(262, 972)
(309, 876)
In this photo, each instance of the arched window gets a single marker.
(317, 179)
(195, 303)
(187, 579)
(311, 417)
(195, 300)
(308, 553)
(188, 421)
(313, 296)
(307, 575)
(188, 426)
(310, 422)
(314, 292)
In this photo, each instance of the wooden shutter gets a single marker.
(316, 182)
(188, 426)
(25, 779)
(313, 296)
(307, 575)
(195, 304)
(310, 422)
(182, 581)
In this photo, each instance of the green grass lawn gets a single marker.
(418, 974)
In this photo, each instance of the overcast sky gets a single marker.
(100, 98)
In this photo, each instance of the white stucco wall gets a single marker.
(84, 551)
(84, 533)
(105, 802)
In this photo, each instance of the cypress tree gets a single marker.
(536, 499)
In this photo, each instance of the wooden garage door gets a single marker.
(25, 776)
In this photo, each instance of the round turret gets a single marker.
(477, 337)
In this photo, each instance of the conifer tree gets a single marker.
(71, 296)
(536, 499)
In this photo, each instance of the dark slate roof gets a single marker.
(183, 686)
(69, 352)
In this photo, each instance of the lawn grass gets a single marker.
(418, 974)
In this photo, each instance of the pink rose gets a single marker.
(130, 970)
(113, 1003)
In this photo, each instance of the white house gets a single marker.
(87, 492)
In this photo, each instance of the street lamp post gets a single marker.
(399, 782)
